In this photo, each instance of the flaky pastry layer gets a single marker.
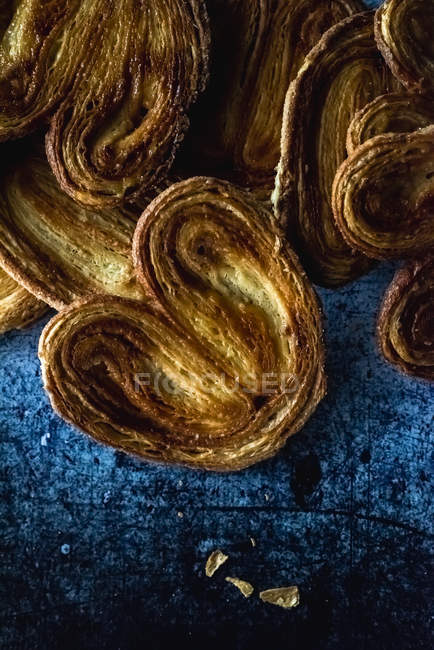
(57, 249)
(404, 30)
(258, 46)
(394, 113)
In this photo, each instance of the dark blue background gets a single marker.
(103, 551)
(98, 556)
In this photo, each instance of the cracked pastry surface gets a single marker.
(18, 307)
(114, 80)
(404, 31)
(394, 113)
(406, 321)
(258, 47)
(342, 73)
(224, 360)
(57, 249)
(383, 196)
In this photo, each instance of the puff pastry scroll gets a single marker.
(223, 362)
(383, 196)
(114, 78)
(406, 322)
(394, 113)
(258, 47)
(18, 307)
(342, 73)
(404, 30)
(57, 249)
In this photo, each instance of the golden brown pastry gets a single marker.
(406, 322)
(224, 361)
(56, 249)
(258, 47)
(395, 113)
(341, 74)
(404, 30)
(18, 307)
(115, 80)
(383, 196)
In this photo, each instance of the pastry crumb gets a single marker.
(286, 597)
(215, 560)
(245, 587)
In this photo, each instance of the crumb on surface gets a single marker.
(215, 560)
(286, 597)
(245, 587)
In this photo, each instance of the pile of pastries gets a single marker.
(176, 174)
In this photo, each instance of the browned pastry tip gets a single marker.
(383, 196)
(57, 249)
(223, 362)
(394, 113)
(404, 30)
(18, 307)
(258, 46)
(342, 73)
(114, 80)
(406, 321)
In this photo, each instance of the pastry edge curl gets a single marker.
(403, 278)
(347, 170)
(355, 135)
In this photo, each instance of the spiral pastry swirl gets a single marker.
(56, 249)
(225, 359)
(342, 73)
(383, 196)
(394, 113)
(258, 46)
(114, 79)
(18, 307)
(404, 31)
(406, 321)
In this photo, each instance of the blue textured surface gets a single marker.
(103, 551)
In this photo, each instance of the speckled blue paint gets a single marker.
(103, 551)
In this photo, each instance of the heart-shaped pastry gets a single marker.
(113, 78)
(342, 73)
(406, 321)
(224, 360)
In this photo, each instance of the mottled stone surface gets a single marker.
(103, 551)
